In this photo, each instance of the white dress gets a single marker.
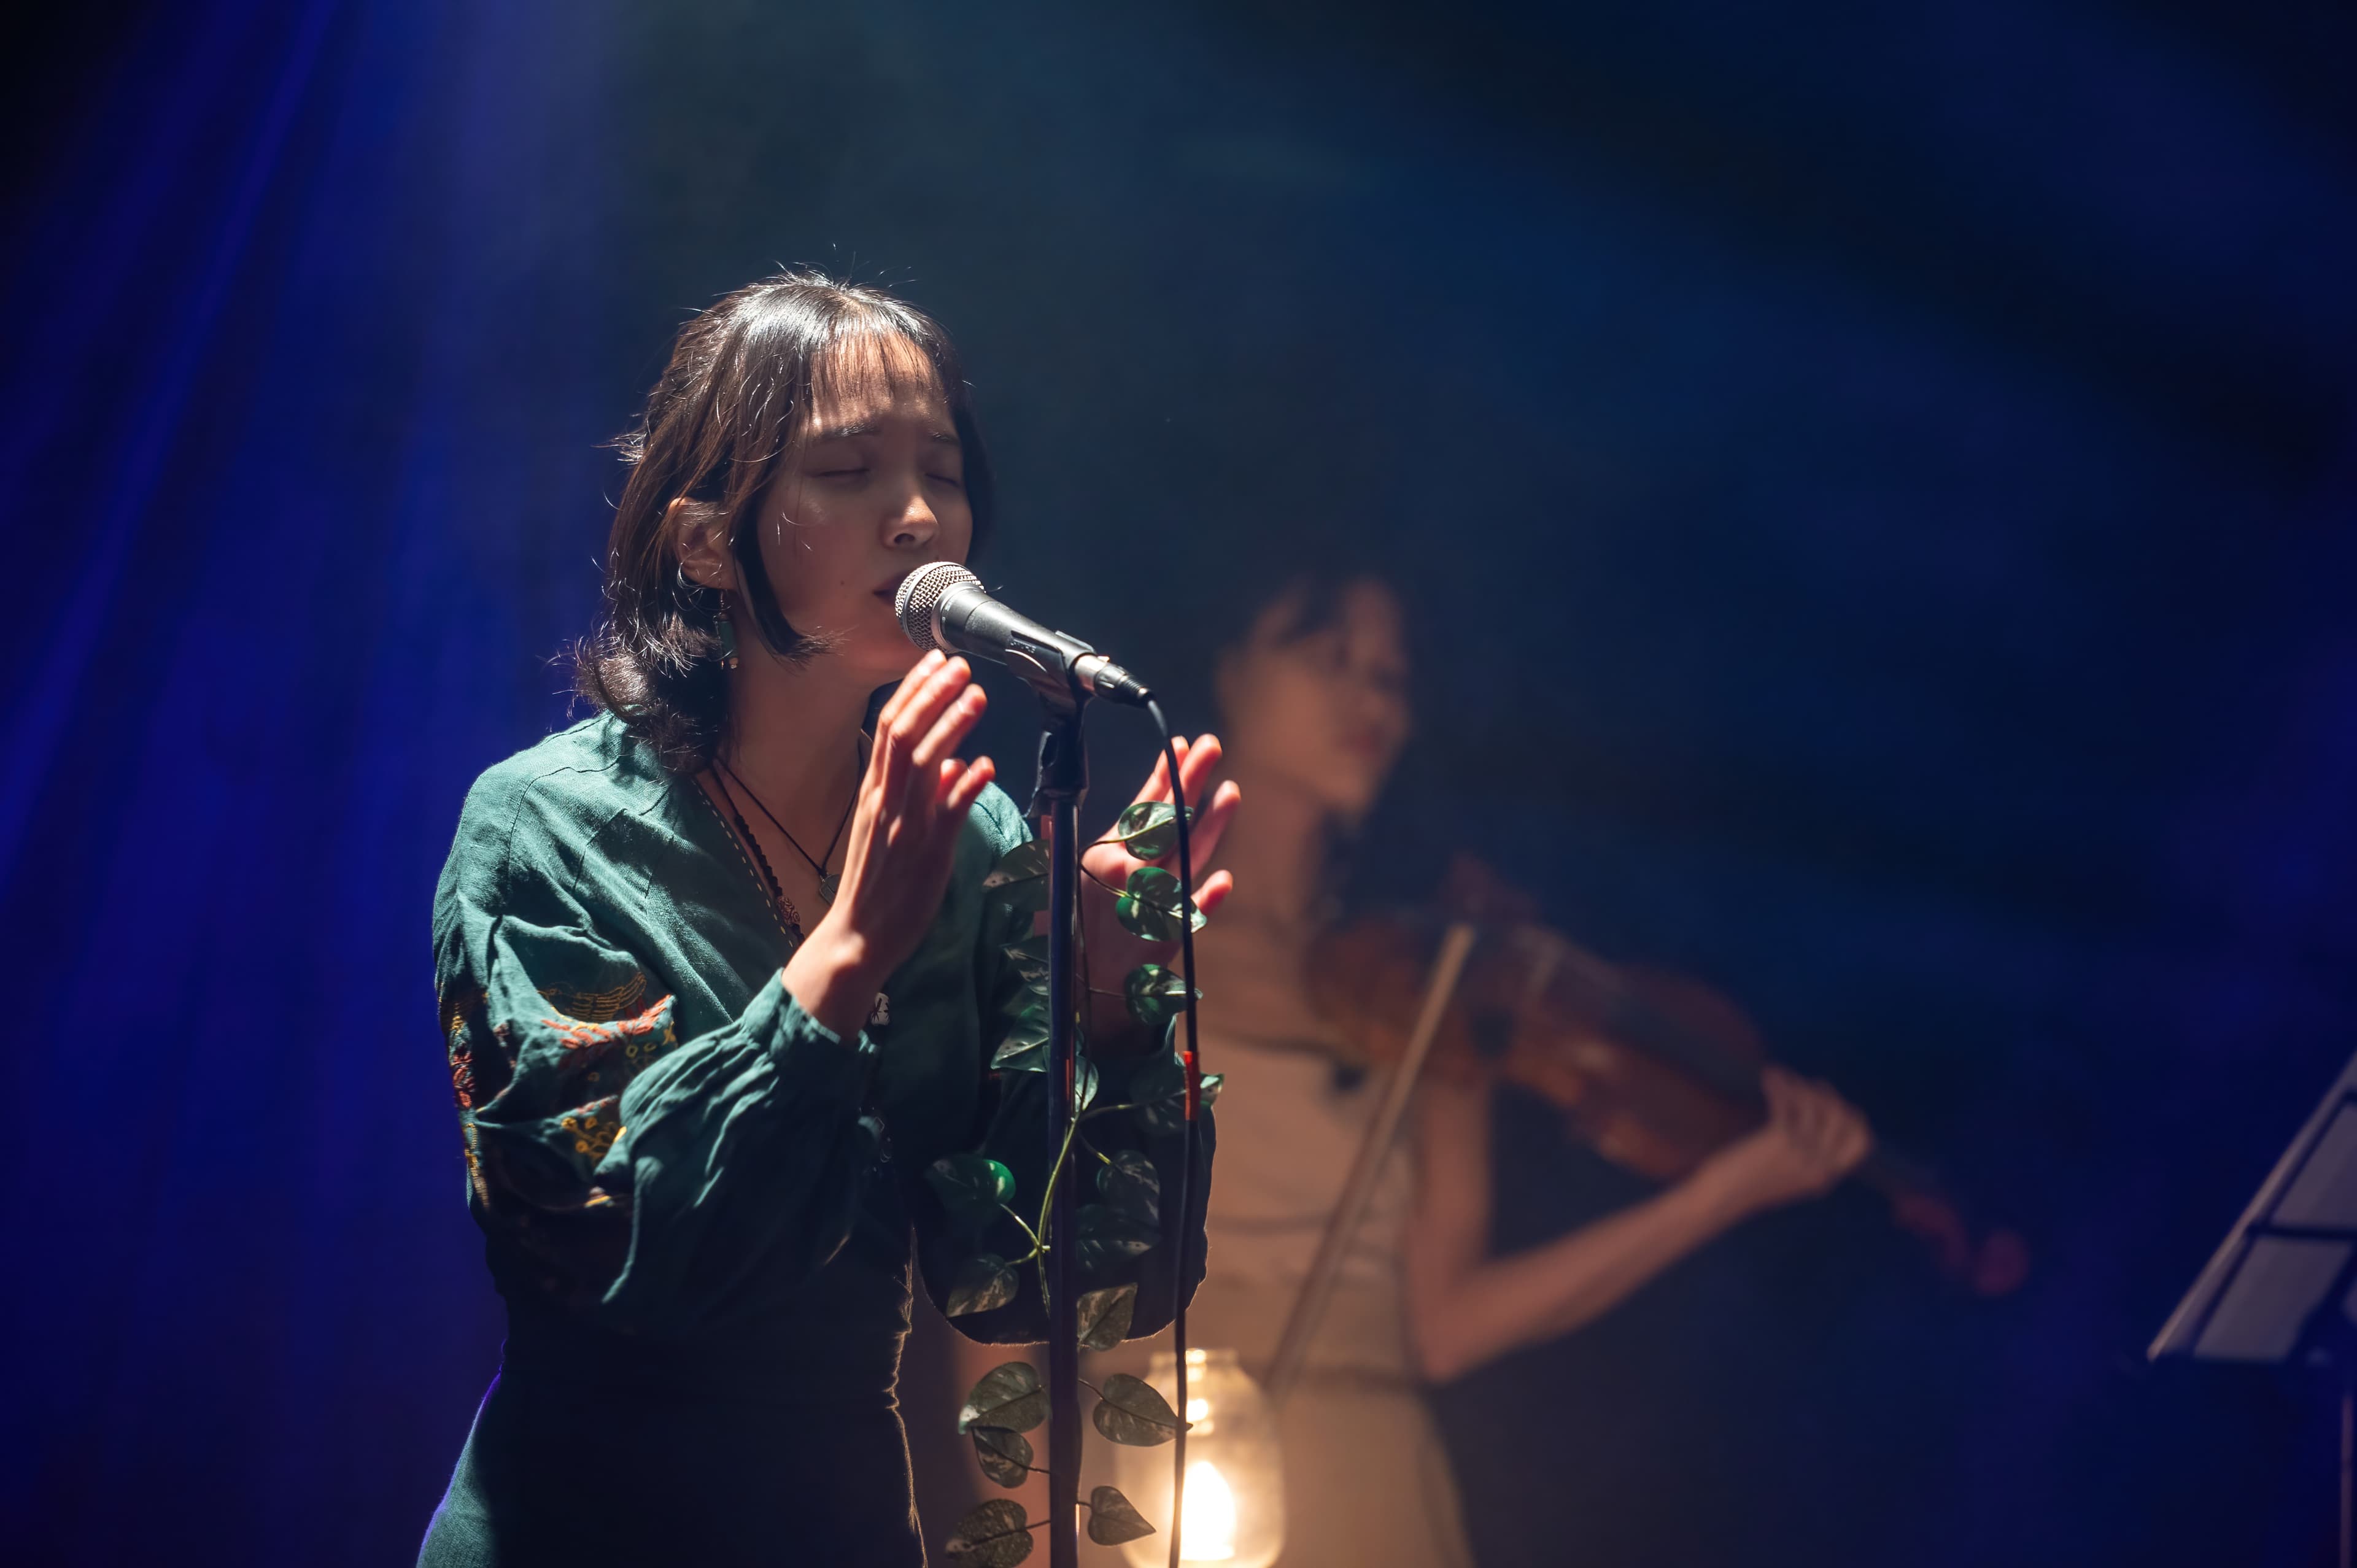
(1367, 1481)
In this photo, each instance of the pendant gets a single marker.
(827, 886)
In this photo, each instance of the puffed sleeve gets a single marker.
(658, 1185)
(1133, 1125)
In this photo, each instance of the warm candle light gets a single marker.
(1209, 1534)
(1234, 1511)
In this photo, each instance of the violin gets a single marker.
(1656, 1071)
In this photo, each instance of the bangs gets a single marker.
(867, 353)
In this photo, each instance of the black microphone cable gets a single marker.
(1194, 1101)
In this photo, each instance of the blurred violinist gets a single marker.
(1314, 702)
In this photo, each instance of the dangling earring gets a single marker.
(727, 637)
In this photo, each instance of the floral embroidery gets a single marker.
(593, 1134)
(599, 1007)
(457, 1008)
(643, 1037)
(462, 1072)
(475, 1178)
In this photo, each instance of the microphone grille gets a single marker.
(921, 590)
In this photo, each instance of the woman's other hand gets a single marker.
(1112, 952)
(1812, 1139)
(903, 837)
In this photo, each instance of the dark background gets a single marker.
(1877, 479)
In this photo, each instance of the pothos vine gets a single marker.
(1125, 1221)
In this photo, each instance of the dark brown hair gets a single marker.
(727, 411)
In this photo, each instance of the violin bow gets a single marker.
(1358, 1188)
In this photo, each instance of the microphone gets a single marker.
(944, 606)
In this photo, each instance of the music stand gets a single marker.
(2283, 1285)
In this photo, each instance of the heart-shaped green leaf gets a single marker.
(1029, 958)
(1026, 897)
(1105, 1315)
(1130, 1411)
(1158, 1087)
(1155, 994)
(1016, 1056)
(1027, 862)
(983, 1284)
(1162, 1076)
(1005, 1456)
(1008, 1395)
(1132, 1186)
(996, 1535)
(1149, 909)
(1024, 1048)
(1148, 828)
(1108, 1238)
(1111, 1521)
(971, 1188)
(1210, 1088)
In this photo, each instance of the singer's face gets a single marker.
(874, 489)
(1325, 710)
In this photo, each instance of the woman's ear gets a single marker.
(702, 550)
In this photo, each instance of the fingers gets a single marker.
(963, 784)
(1157, 783)
(1213, 890)
(949, 731)
(1197, 764)
(914, 714)
(916, 677)
(1809, 1115)
(1204, 840)
(1850, 1138)
(1197, 760)
(1823, 1127)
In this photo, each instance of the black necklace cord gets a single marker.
(1194, 1106)
(789, 918)
(818, 866)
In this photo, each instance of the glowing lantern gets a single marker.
(1210, 1532)
(1235, 1469)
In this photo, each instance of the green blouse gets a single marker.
(662, 1145)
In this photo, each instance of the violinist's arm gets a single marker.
(1466, 1307)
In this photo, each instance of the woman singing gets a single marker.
(720, 981)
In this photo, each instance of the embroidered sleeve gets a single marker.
(660, 1183)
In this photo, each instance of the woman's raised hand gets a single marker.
(1112, 951)
(903, 837)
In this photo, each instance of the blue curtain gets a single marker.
(312, 303)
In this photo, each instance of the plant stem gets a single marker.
(1055, 1174)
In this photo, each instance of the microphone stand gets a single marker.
(1063, 779)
